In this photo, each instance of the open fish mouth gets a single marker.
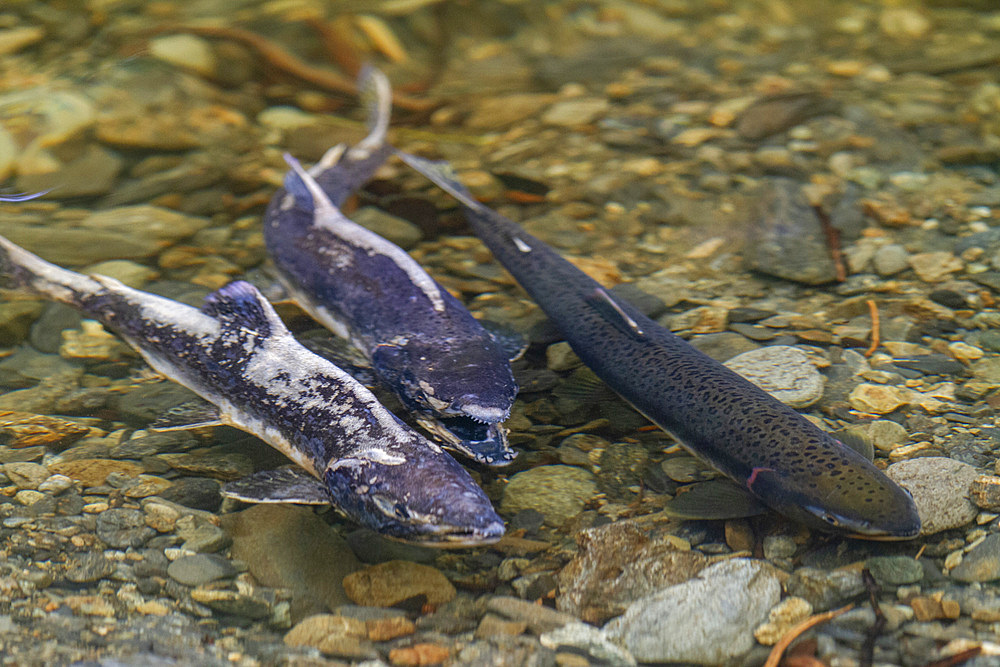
(483, 442)
(456, 538)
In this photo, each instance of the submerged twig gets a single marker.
(876, 328)
(779, 649)
(833, 243)
(957, 659)
(279, 58)
(868, 648)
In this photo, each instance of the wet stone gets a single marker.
(538, 618)
(706, 620)
(982, 563)
(232, 602)
(825, 590)
(617, 564)
(587, 640)
(88, 567)
(200, 569)
(895, 570)
(782, 371)
(26, 475)
(123, 528)
(218, 465)
(194, 492)
(621, 466)
(940, 489)
(557, 491)
(985, 491)
(388, 584)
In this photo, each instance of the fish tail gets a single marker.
(22, 271)
(376, 97)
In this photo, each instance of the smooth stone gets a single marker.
(387, 584)
(940, 489)
(579, 111)
(195, 492)
(886, 435)
(982, 563)
(26, 475)
(123, 528)
(16, 318)
(985, 492)
(187, 51)
(132, 274)
(891, 259)
(538, 618)
(825, 590)
(232, 602)
(210, 463)
(787, 240)
(402, 232)
(126, 232)
(617, 564)
(895, 570)
(201, 536)
(877, 399)
(200, 569)
(94, 472)
(288, 546)
(784, 372)
(707, 620)
(313, 630)
(88, 567)
(724, 345)
(933, 267)
(559, 492)
(588, 640)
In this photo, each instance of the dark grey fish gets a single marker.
(786, 462)
(422, 343)
(236, 354)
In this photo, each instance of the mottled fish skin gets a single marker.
(421, 341)
(236, 353)
(785, 461)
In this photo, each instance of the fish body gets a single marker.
(421, 341)
(782, 459)
(237, 354)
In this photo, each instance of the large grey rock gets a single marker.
(940, 489)
(707, 620)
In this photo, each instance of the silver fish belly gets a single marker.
(237, 354)
(768, 448)
(422, 343)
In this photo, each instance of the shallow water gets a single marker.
(643, 140)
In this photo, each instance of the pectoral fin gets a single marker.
(715, 499)
(284, 485)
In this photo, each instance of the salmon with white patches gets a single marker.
(781, 458)
(237, 354)
(422, 343)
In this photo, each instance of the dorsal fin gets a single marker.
(442, 175)
(239, 304)
(613, 313)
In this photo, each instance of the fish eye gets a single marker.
(830, 519)
(400, 511)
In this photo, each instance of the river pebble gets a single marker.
(782, 371)
(559, 492)
(388, 584)
(200, 569)
(982, 563)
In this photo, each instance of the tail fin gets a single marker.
(23, 271)
(376, 96)
(442, 175)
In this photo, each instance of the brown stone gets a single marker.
(311, 631)
(387, 584)
(494, 626)
(617, 564)
(24, 429)
(419, 655)
(93, 472)
(985, 492)
(384, 629)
